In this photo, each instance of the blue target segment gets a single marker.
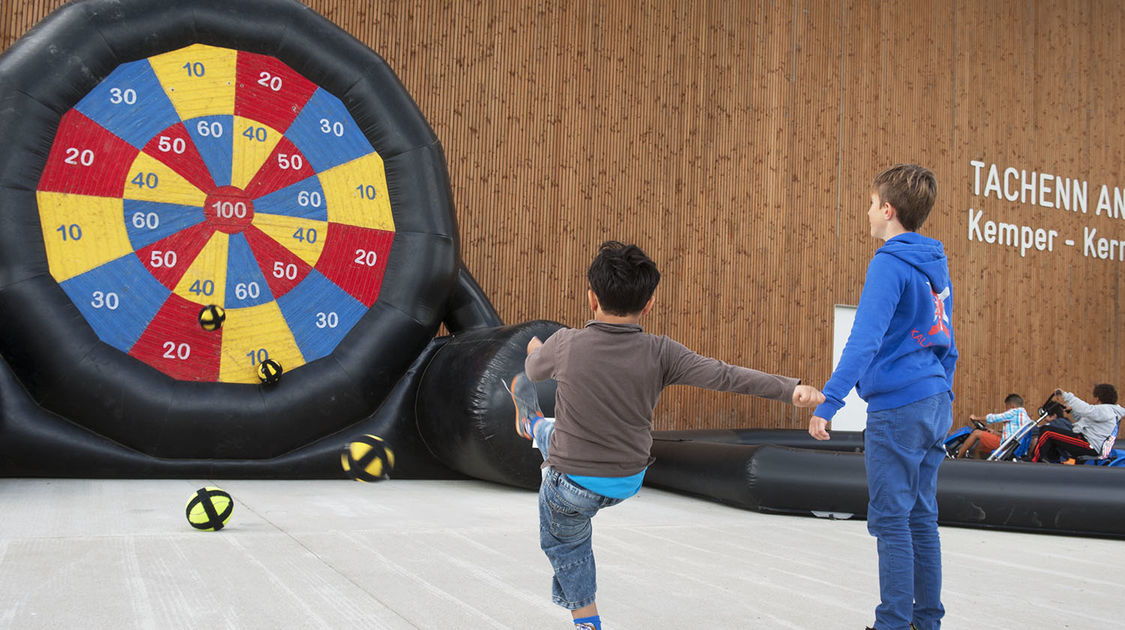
(149, 221)
(326, 134)
(131, 104)
(214, 138)
(119, 299)
(246, 286)
(319, 314)
(304, 200)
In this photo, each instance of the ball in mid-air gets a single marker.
(209, 509)
(369, 458)
(269, 372)
(211, 317)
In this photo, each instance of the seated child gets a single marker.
(1012, 419)
(1094, 430)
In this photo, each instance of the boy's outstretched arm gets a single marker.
(807, 396)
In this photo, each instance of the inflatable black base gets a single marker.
(35, 442)
(448, 417)
(1043, 498)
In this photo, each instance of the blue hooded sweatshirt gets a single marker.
(901, 346)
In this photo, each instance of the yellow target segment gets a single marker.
(199, 80)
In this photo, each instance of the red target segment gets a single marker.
(270, 91)
(281, 268)
(86, 159)
(174, 147)
(355, 259)
(284, 167)
(169, 258)
(218, 189)
(175, 344)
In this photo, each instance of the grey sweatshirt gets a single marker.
(1095, 422)
(609, 380)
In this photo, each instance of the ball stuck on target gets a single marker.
(211, 317)
(209, 509)
(369, 458)
(269, 372)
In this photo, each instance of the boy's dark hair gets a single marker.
(911, 189)
(1014, 400)
(623, 278)
(1105, 393)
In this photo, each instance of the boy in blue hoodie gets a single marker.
(900, 358)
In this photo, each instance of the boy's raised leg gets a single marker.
(526, 401)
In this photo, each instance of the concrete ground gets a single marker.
(455, 555)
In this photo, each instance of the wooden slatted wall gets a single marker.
(735, 141)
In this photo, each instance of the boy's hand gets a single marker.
(818, 428)
(533, 345)
(807, 396)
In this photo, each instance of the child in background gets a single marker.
(1093, 431)
(900, 358)
(1015, 417)
(610, 374)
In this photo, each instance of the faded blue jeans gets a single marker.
(902, 452)
(565, 510)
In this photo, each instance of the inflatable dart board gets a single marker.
(160, 158)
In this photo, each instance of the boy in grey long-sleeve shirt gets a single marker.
(610, 375)
(1094, 430)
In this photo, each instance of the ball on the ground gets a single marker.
(369, 458)
(211, 317)
(269, 372)
(209, 509)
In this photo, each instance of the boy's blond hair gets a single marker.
(910, 189)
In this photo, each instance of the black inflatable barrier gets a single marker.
(841, 440)
(35, 442)
(465, 413)
(1041, 498)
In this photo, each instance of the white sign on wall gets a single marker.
(1002, 186)
(853, 417)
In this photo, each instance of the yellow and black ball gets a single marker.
(209, 509)
(212, 317)
(369, 458)
(269, 372)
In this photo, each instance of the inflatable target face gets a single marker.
(208, 175)
(161, 158)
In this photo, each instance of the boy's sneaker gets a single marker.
(526, 400)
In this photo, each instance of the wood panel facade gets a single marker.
(735, 142)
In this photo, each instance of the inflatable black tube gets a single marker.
(469, 308)
(1045, 498)
(465, 413)
(841, 440)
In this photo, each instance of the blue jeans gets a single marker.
(565, 510)
(902, 452)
